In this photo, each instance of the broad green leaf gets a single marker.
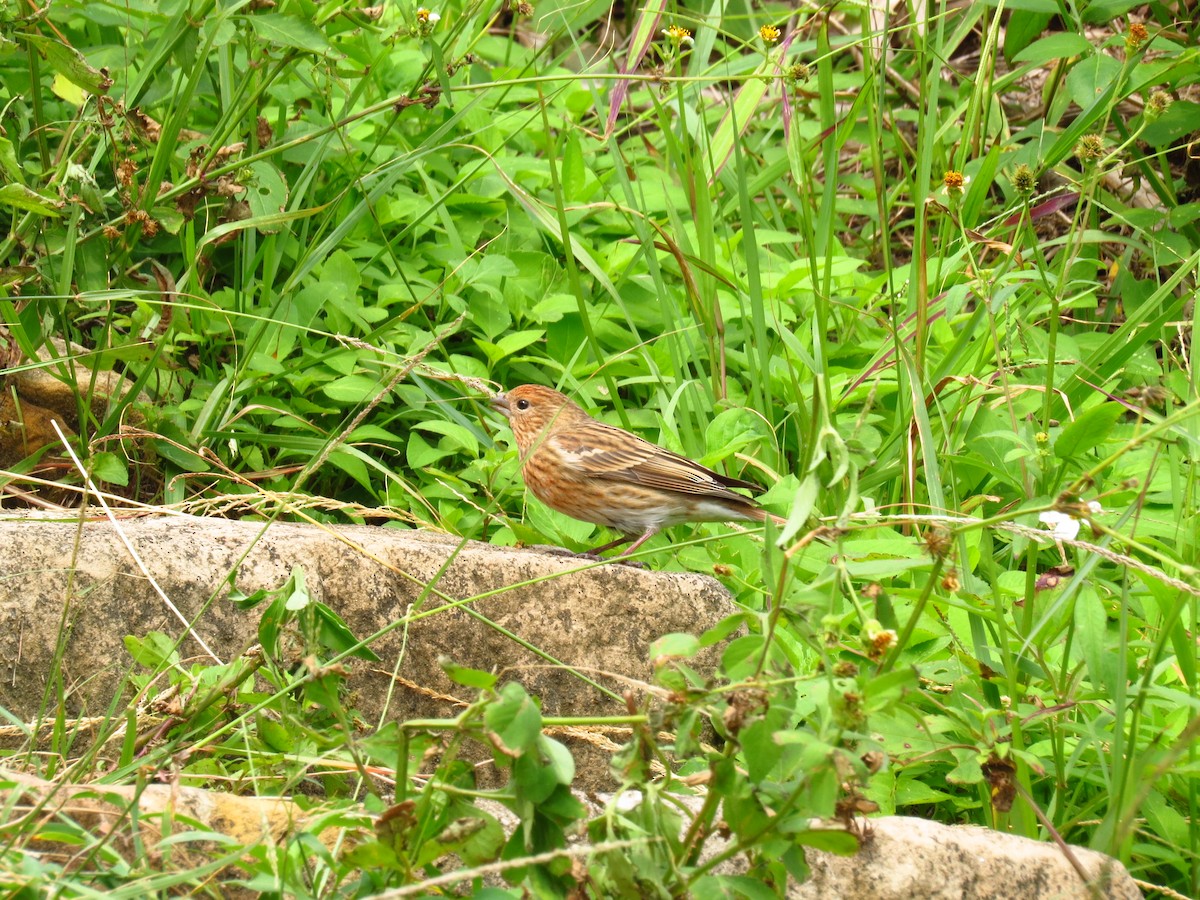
(266, 194)
(741, 656)
(466, 676)
(8, 161)
(675, 645)
(21, 197)
(1022, 30)
(843, 843)
(290, 31)
(420, 453)
(1105, 11)
(110, 467)
(729, 431)
(1062, 45)
(65, 89)
(352, 389)
(458, 436)
(152, 651)
(1088, 431)
(514, 719)
(1095, 641)
(335, 634)
(558, 759)
(69, 62)
(1091, 77)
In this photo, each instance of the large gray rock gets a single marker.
(80, 581)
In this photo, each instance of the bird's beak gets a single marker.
(500, 404)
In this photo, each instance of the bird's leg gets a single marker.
(624, 539)
(650, 532)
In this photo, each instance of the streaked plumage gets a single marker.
(603, 474)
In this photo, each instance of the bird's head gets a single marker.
(533, 410)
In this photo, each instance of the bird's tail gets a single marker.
(756, 513)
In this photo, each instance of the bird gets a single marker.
(605, 475)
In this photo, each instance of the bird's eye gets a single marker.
(522, 404)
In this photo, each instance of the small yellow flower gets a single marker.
(678, 35)
(769, 34)
(424, 16)
(877, 638)
(1136, 36)
(953, 182)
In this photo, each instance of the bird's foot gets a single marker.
(591, 555)
(552, 549)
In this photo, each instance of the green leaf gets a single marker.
(741, 656)
(458, 437)
(274, 735)
(514, 719)
(558, 759)
(1104, 11)
(296, 591)
(479, 842)
(1088, 431)
(467, 677)
(111, 468)
(553, 308)
(153, 651)
(420, 454)
(1091, 77)
(69, 62)
(843, 843)
(1091, 629)
(729, 431)
(759, 749)
(676, 645)
(266, 194)
(1022, 29)
(509, 344)
(740, 115)
(8, 161)
(335, 634)
(21, 197)
(574, 171)
(290, 31)
(352, 389)
(1062, 45)
(968, 771)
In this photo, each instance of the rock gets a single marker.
(103, 810)
(32, 398)
(601, 620)
(900, 857)
(903, 857)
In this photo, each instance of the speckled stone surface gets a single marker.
(80, 579)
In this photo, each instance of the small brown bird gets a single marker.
(603, 474)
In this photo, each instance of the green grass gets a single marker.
(310, 236)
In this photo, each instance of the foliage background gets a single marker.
(929, 273)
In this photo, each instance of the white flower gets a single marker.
(1062, 527)
(1065, 527)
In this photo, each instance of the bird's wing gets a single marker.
(602, 451)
